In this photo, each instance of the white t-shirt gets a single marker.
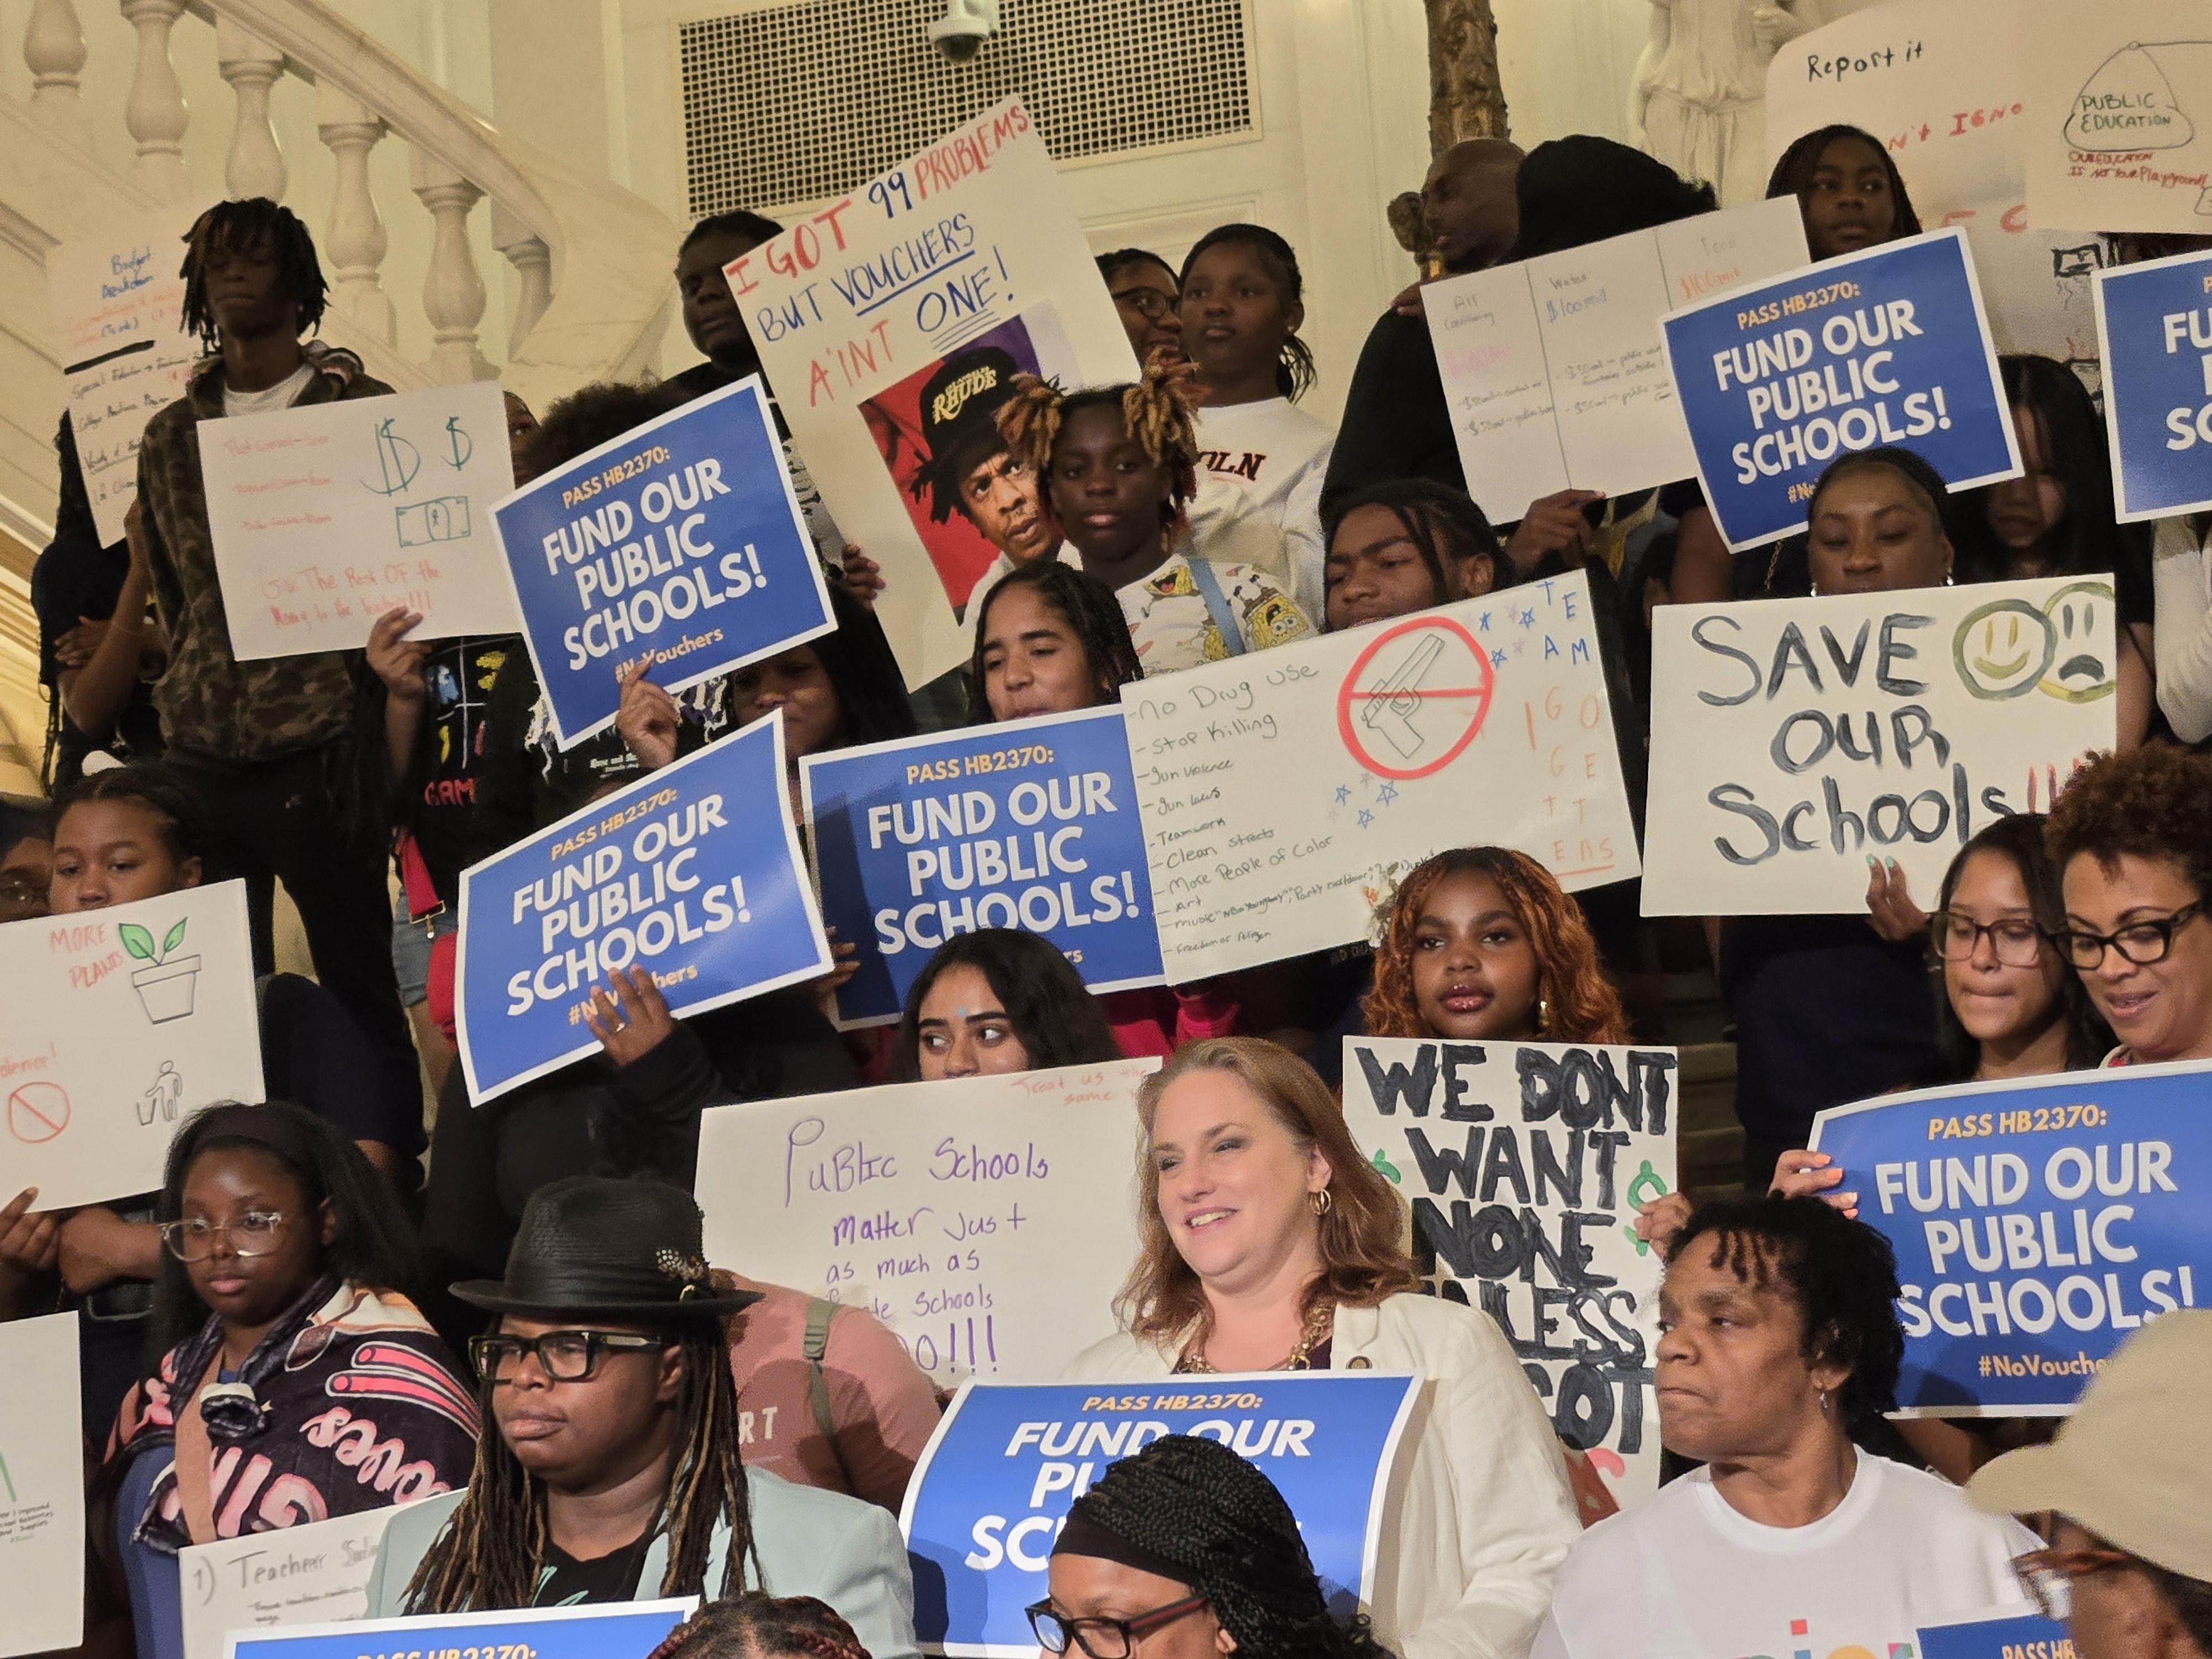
(1173, 628)
(267, 402)
(1685, 1576)
(1274, 456)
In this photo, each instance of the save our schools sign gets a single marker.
(682, 873)
(680, 543)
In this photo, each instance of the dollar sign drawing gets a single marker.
(399, 470)
(464, 446)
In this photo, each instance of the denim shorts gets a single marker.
(411, 948)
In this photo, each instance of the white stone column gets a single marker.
(354, 242)
(453, 291)
(533, 262)
(53, 50)
(256, 166)
(155, 112)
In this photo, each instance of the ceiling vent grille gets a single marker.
(806, 101)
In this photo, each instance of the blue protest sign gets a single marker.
(680, 541)
(1890, 346)
(693, 871)
(1031, 824)
(2017, 1636)
(2035, 1226)
(619, 1630)
(2155, 333)
(989, 1496)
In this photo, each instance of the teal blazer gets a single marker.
(809, 1542)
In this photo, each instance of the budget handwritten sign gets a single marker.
(943, 248)
(327, 515)
(2120, 137)
(1525, 1162)
(1890, 346)
(1794, 739)
(1552, 368)
(988, 1221)
(2035, 1226)
(41, 1487)
(1030, 823)
(1284, 794)
(619, 1630)
(116, 297)
(692, 872)
(989, 1495)
(119, 1023)
(680, 542)
(315, 1574)
(2154, 322)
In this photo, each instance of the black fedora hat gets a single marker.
(589, 1245)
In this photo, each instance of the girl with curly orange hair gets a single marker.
(1480, 943)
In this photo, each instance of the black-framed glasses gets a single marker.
(2141, 943)
(253, 1233)
(2048, 1576)
(1102, 1638)
(1150, 300)
(2016, 939)
(563, 1356)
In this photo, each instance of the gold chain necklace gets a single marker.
(1318, 1325)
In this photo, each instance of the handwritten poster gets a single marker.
(851, 303)
(614, 1630)
(988, 1221)
(2121, 137)
(1792, 740)
(116, 298)
(118, 1023)
(327, 515)
(1552, 368)
(41, 1487)
(1284, 794)
(2156, 324)
(311, 1575)
(1524, 1164)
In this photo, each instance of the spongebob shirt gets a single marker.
(1173, 628)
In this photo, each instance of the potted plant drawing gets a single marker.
(165, 984)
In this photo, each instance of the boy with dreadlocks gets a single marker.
(1121, 464)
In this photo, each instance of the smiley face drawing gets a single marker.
(2085, 628)
(2003, 649)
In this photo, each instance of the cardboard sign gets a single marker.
(117, 299)
(1794, 740)
(327, 515)
(1887, 347)
(2035, 1226)
(311, 1575)
(2121, 137)
(681, 541)
(693, 871)
(1284, 794)
(1524, 1164)
(2155, 324)
(988, 1221)
(1027, 823)
(989, 1496)
(1552, 368)
(120, 1022)
(619, 1630)
(41, 1487)
(857, 308)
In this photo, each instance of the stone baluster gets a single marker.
(53, 49)
(453, 291)
(155, 111)
(355, 241)
(256, 166)
(533, 262)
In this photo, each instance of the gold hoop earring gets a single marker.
(1322, 1201)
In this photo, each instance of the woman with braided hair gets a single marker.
(1189, 1540)
(756, 1625)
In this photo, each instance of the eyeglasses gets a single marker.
(2140, 942)
(2017, 940)
(253, 1233)
(1150, 300)
(1101, 1639)
(563, 1356)
(2048, 1576)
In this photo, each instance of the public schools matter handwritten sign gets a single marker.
(951, 245)
(989, 1495)
(1886, 347)
(680, 542)
(1284, 794)
(2154, 323)
(693, 871)
(2120, 133)
(1029, 824)
(118, 1023)
(619, 1630)
(2035, 1226)
(41, 1487)
(1524, 1164)
(988, 1221)
(311, 1575)
(1553, 367)
(1794, 740)
(326, 515)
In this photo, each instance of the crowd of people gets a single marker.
(277, 1336)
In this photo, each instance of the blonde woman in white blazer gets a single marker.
(1269, 1243)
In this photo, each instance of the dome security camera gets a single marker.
(960, 34)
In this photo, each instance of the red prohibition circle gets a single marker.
(1349, 693)
(38, 1112)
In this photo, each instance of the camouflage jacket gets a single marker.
(210, 703)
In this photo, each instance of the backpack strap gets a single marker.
(819, 1312)
(1208, 584)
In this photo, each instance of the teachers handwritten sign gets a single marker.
(42, 1550)
(307, 1575)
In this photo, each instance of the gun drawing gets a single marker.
(1390, 706)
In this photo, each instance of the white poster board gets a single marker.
(41, 1488)
(1284, 792)
(1524, 1164)
(879, 288)
(117, 1024)
(327, 515)
(116, 300)
(1552, 369)
(310, 1575)
(2121, 94)
(987, 1221)
(1793, 740)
